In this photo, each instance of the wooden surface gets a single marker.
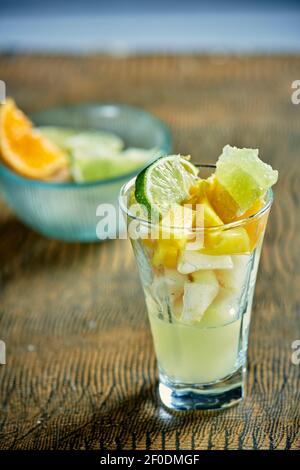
(80, 369)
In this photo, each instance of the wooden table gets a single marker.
(80, 369)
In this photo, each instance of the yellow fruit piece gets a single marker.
(256, 226)
(206, 215)
(24, 149)
(226, 242)
(259, 203)
(166, 253)
(197, 192)
(221, 201)
(211, 218)
(177, 222)
(148, 242)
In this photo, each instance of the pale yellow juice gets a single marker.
(194, 354)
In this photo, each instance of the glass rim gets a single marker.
(235, 224)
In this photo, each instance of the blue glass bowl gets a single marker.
(67, 211)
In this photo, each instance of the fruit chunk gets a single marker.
(167, 290)
(211, 218)
(175, 287)
(226, 242)
(191, 261)
(221, 201)
(24, 149)
(223, 309)
(163, 183)
(198, 295)
(166, 252)
(174, 280)
(234, 279)
(256, 226)
(177, 222)
(244, 175)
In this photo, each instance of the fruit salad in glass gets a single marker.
(197, 233)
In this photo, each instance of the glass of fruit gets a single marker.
(197, 235)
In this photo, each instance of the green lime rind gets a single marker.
(164, 182)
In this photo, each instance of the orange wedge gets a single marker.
(24, 149)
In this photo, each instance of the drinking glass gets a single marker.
(201, 363)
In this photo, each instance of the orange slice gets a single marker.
(24, 149)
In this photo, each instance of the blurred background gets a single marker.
(135, 26)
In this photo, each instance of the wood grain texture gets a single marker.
(81, 370)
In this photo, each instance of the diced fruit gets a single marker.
(174, 279)
(244, 175)
(256, 226)
(223, 310)
(191, 261)
(198, 295)
(234, 279)
(195, 243)
(207, 216)
(211, 218)
(166, 252)
(175, 287)
(256, 207)
(197, 191)
(226, 242)
(221, 201)
(168, 290)
(25, 150)
(177, 307)
(178, 217)
(165, 182)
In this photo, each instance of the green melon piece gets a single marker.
(244, 175)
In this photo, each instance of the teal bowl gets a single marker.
(70, 211)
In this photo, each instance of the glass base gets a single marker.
(213, 396)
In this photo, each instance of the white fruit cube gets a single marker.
(198, 295)
(191, 261)
(235, 278)
(223, 310)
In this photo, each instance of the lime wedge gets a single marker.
(95, 142)
(244, 175)
(89, 141)
(92, 167)
(58, 135)
(165, 182)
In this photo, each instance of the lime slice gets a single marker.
(165, 182)
(244, 175)
(58, 135)
(95, 142)
(90, 141)
(87, 167)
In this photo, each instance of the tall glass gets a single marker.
(199, 304)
